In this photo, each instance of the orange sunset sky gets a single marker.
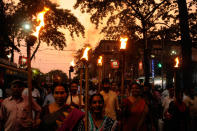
(47, 58)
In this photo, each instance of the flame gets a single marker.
(85, 53)
(100, 61)
(123, 43)
(177, 62)
(72, 63)
(40, 18)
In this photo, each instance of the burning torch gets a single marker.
(84, 59)
(122, 50)
(176, 72)
(100, 63)
(30, 41)
(72, 64)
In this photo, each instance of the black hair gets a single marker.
(65, 87)
(75, 82)
(97, 94)
(105, 80)
(135, 83)
(18, 83)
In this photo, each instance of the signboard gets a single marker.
(115, 64)
(22, 61)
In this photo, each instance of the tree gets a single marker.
(126, 13)
(5, 42)
(55, 19)
(186, 43)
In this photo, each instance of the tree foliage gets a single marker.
(56, 20)
(130, 17)
(5, 42)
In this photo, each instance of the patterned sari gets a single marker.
(64, 119)
(108, 124)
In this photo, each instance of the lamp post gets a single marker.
(122, 50)
(100, 63)
(84, 59)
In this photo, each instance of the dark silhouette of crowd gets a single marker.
(61, 107)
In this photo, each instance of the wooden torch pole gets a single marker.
(80, 95)
(86, 97)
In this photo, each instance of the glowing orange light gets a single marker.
(40, 18)
(140, 65)
(123, 43)
(72, 63)
(177, 62)
(100, 61)
(85, 53)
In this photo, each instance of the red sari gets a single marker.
(134, 115)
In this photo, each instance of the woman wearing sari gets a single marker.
(97, 120)
(135, 111)
(59, 116)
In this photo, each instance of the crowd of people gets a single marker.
(61, 108)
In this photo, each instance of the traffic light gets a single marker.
(159, 65)
(157, 68)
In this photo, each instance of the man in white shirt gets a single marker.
(49, 97)
(167, 100)
(111, 100)
(74, 98)
(35, 92)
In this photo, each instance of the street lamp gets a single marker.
(122, 50)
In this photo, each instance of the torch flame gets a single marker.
(123, 43)
(72, 63)
(85, 53)
(100, 61)
(40, 18)
(177, 62)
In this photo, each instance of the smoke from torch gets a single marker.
(177, 62)
(85, 54)
(123, 43)
(40, 18)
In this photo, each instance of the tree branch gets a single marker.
(154, 9)
(33, 55)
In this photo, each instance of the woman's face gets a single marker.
(60, 95)
(135, 90)
(97, 104)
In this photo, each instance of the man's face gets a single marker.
(74, 88)
(171, 92)
(17, 90)
(114, 86)
(60, 95)
(97, 104)
(135, 90)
